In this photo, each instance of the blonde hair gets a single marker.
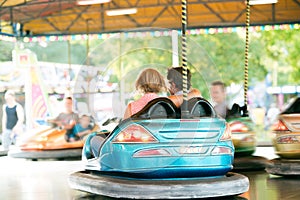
(150, 80)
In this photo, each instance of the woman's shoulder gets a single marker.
(140, 103)
(150, 95)
(145, 98)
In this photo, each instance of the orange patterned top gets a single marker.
(139, 104)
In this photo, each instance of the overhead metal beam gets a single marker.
(36, 2)
(25, 14)
(95, 10)
(137, 2)
(44, 9)
(77, 17)
(3, 3)
(65, 14)
(297, 2)
(129, 3)
(161, 12)
(51, 24)
(215, 13)
(177, 14)
(273, 12)
(158, 15)
(128, 16)
(102, 19)
(157, 4)
(239, 15)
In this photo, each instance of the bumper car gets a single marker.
(244, 140)
(2, 151)
(47, 142)
(243, 136)
(155, 154)
(286, 141)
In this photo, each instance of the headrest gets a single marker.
(161, 107)
(200, 107)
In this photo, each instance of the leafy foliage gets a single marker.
(59, 51)
(5, 50)
(218, 56)
(227, 53)
(283, 48)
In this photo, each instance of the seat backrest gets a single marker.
(200, 107)
(237, 111)
(161, 107)
(293, 108)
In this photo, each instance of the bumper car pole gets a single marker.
(245, 109)
(184, 106)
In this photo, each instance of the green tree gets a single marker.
(59, 51)
(282, 49)
(6, 50)
(227, 52)
(126, 57)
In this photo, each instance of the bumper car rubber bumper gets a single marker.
(3, 152)
(284, 167)
(46, 154)
(120, 187)
(249, 163)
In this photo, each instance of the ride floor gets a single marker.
(23, 179)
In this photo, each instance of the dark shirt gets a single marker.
(12, 117)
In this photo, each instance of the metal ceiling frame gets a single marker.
(51, 9)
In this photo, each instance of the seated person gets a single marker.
(68, 118)
(81, 129)
(218, 95)
(149, 83)
(175, 79)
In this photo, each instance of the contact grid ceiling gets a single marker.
(66, 17)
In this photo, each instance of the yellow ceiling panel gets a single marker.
(65, 16)
(6, 3)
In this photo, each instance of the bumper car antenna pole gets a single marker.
(184, 107)
(245, 110)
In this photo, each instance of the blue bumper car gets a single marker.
(156, 154)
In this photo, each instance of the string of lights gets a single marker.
(158, 33)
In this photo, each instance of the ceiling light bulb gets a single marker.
(127, 11)
(260, 2)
